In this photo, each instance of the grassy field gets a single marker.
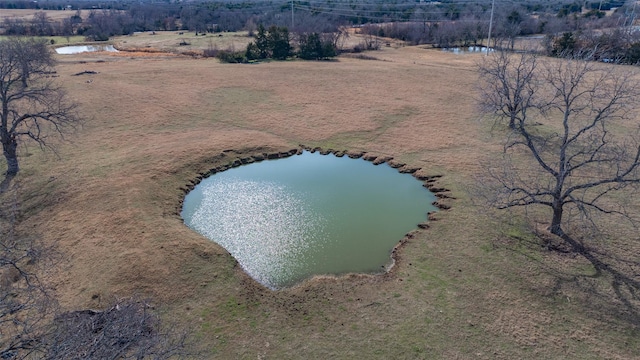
(477, 284)
(27, 14)
(191, 43)
(183, 41)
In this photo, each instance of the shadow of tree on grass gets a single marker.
(6, 183)
(625, 285)
(607, 285)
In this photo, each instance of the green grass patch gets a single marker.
(57, 40)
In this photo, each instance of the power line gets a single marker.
(365, 14)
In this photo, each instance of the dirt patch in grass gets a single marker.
(471, 286)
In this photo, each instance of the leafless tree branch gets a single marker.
(575, 150)
(33, 107)
(126, 330)
(25, 302)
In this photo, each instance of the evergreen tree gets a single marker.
(310, 47)
(262, 43)
(279, 42)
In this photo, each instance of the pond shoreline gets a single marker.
(231, 158)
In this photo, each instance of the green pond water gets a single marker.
(286, 220)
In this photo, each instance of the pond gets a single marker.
(467, 49)
(77, 49)
(289, 219)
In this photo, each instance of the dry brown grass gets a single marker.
(471, 286)
(27, 14)
(190, 43)
(183, 41)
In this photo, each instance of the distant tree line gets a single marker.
(121, 18)
(471, 26)
(568, 25)
(617, 45)
(442, 22)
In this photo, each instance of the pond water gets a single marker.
(68, 50)
(286, 220)
(467, 49)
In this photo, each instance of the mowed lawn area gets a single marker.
(476, 284)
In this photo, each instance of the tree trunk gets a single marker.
(556, 221)
(513, 115)
(10, 150)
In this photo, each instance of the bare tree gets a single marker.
(25, 302)
(40, 24)
(582, 153)
(507, 85)
(32, 106)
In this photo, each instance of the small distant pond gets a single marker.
(467, 49)
(68, 50)
(286, 220)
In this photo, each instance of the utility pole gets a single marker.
(630, 18)
(291, 15)
(493, 4)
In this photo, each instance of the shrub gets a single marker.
(252, 52)
(313, 47)
(232, 57)
(563, 45)
(98, 36)
(210, 52)
(632, 55)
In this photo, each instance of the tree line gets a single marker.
(510, 20)
(616, 45)
(442, 23)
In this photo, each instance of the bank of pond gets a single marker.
(289, 219)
